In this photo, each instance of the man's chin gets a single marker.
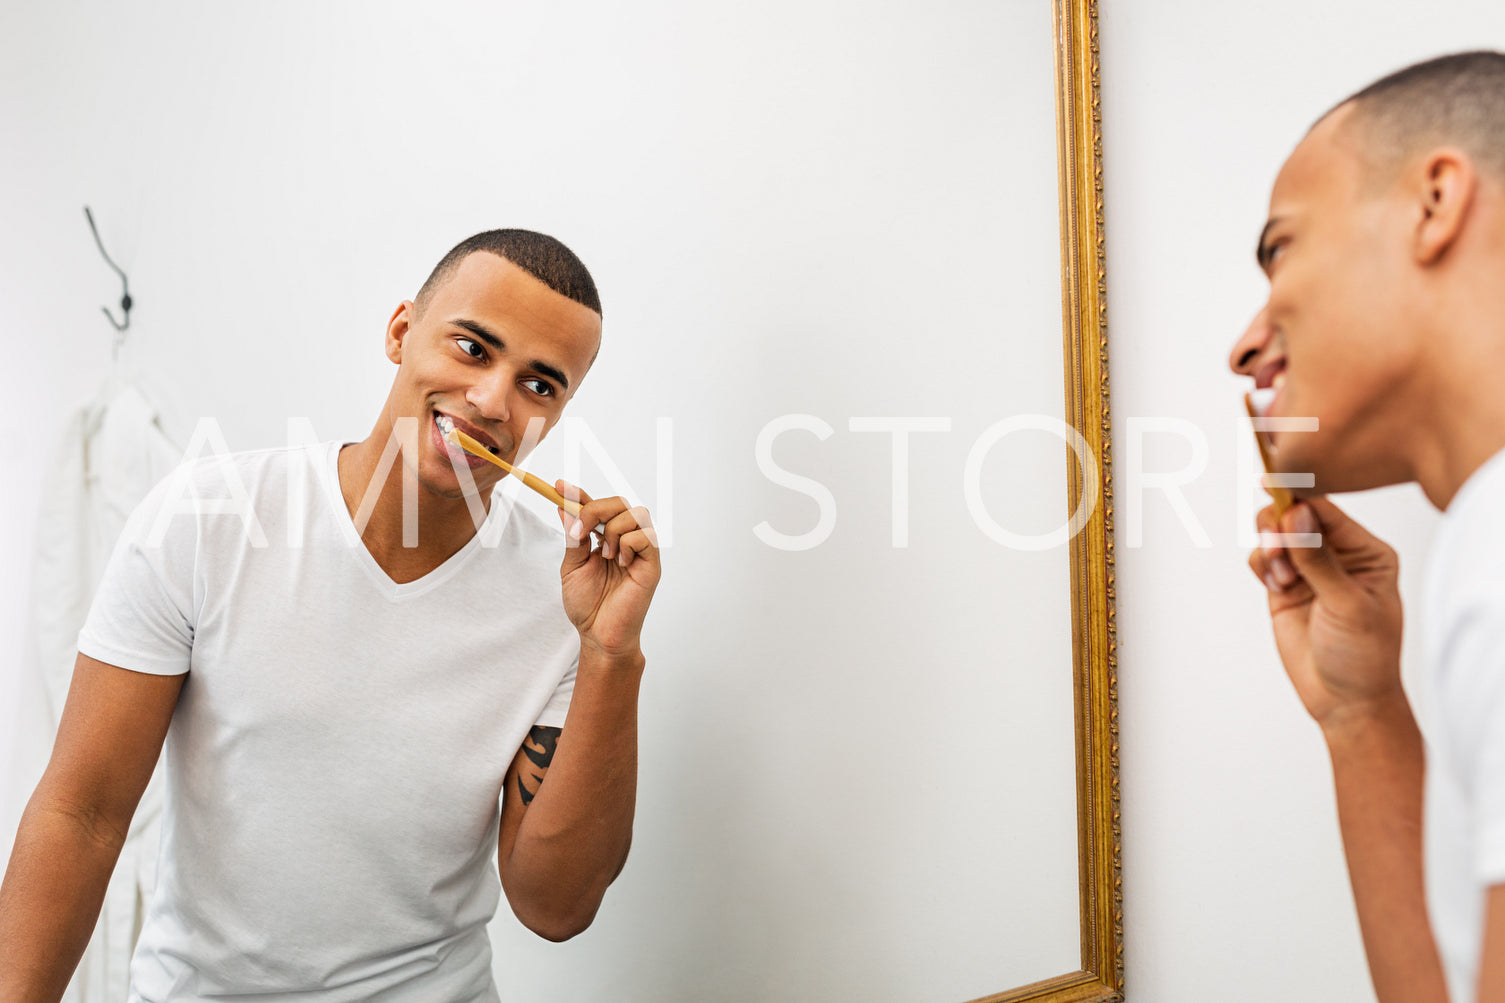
(1332, 475)
(455, 485)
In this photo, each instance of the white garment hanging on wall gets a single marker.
(111, 453)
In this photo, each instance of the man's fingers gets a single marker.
(1278, 566)
(645, 523)
(1318, 565)
(572, 492)
(1265, 521)
(576, 551)
(618, 526)
(636, 544)
(1276, 573)
(576, 529)
(638, 536)
(618, 522)
(1345, 536)
(1286, 590)
(1274, 568)
(1268, 525)
(601, 512)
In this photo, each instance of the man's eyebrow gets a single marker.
(486, 335)
(551, 372)
(481, 332)
(1262, 250)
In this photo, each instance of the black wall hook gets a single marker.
(125, 284)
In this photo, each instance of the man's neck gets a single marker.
(1465, 414)
(440, 525)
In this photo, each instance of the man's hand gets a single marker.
(1337, 616)
(607, 588)
(1336, 610)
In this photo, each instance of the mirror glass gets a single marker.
(845, 316)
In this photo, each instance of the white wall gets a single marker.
(1233, 868)
(856, 760)
(1234, 883)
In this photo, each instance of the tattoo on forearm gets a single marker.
(547, 742)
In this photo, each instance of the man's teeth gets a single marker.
(447, 428)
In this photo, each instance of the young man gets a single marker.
(1385, 251)
(367, 697)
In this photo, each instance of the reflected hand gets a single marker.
(1336, 610)
(607, 588)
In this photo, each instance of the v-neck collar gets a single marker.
(393, 590)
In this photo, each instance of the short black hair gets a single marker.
(1457, 99)
(538, 254)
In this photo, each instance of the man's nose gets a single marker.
(1251, 344)
(492, 397)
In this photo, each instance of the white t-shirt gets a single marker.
(1464, 721)
(336, 759)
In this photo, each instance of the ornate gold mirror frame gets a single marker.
(1079, 149)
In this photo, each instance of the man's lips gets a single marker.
(468, 429)
(1271, 374)
(454, 450)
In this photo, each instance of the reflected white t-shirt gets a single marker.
(1464, 721)
(335, 762)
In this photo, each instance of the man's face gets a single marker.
(494, 349)
(1332, 337)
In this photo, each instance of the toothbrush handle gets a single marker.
(533, 481)
(546, 489)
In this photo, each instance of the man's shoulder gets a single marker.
(1464, 598)
(217, 473)
(1472, 534)
(215, 482)
(256, 460)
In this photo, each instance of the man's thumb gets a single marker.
(1318, 565)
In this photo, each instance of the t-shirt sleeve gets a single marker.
(554, 711)
(142, 616)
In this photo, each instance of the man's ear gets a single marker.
(1448, 185)
(397, 330)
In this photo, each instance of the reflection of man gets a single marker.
(1386, 320)
(349, 708)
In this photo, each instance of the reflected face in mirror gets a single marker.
(494, 349)
(1329, 336)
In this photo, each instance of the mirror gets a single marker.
(840, 251)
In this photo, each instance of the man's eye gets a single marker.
(539, 387)
(471, 348)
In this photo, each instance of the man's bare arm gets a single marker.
(1492, 958)
(1378, 767)
(569, 804)
(564, 841)
(108, 741)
